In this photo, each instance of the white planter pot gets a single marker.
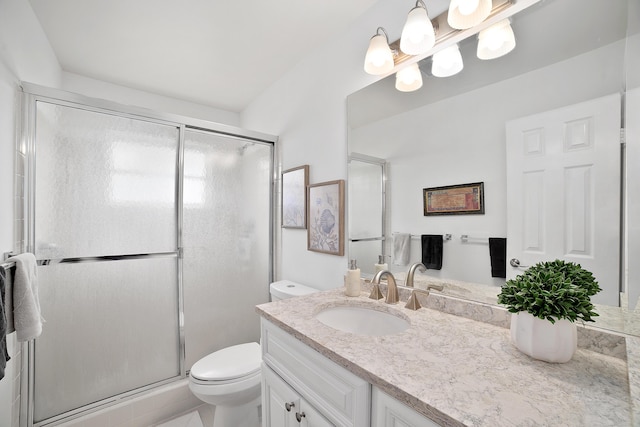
(543, 340)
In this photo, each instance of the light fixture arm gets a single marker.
(383, 32)
(394, 51)
(420, 3)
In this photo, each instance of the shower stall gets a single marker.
(153, 237)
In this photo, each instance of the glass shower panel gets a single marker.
(110, 327)
(366, 211)
(106, 184)
(365, 199)
(226, 240)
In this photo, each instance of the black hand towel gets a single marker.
(498, 254)
(4, 355)
(432, 251)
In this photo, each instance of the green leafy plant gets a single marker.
(552, 290)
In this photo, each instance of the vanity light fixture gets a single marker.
(496, 41)
(418, 35)
(379, 58)
(463, 19)
(409, 78)
(447, 62)
(465, 14)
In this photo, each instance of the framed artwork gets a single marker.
(294, 197)
(325, 232)
(454, 199)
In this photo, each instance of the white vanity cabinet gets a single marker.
(387, 411)
(283, 407)
(298, 379)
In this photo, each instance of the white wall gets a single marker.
(127, 96)
(307, 109)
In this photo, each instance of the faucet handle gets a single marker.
(413, 303)
(376, 293)
(436, 287)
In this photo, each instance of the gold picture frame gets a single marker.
(463, 199)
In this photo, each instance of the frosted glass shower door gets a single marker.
(226, 240)
(105, 236)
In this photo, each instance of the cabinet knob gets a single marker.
(288, 406)
(299, 416)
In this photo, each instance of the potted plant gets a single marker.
(545, 301)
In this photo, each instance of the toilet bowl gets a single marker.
(230, 378)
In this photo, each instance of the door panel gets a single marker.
(105, 192)
(105, 184)
(563, 187)
(226, 226)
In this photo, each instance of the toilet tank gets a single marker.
(283, 289)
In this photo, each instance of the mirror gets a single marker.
(452, 131)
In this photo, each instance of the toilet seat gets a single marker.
(232, 364)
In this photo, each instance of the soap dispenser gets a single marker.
(352, 280)
(381, 265)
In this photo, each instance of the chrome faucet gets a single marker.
(412, 271)
(392, 288)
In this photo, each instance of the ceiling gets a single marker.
(219, 53)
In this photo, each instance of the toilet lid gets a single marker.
(288, 289)
(229, 363)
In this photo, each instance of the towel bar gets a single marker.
(465, 238)
(7, 265)
(419, 236)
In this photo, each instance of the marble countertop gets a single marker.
(615, 319)
(463, 372)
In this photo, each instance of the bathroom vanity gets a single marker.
(443, 370)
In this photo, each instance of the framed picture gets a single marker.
(294, 197)
(325, 232)
(454, 199)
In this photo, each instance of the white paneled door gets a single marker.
(563, 190)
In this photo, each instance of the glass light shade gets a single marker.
(379, 59)
(496, 41)
(418, 35)
(465, 14)
(447, 62)
(409, 79)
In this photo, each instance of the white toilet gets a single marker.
(284, 289)
(230, 378)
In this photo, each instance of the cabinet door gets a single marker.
(343, 397)
(310, 417)
(389, 412)
(280, 402)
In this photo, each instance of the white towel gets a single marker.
(401, 248)
(27, 321)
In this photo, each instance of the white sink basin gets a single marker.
(362, 320)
